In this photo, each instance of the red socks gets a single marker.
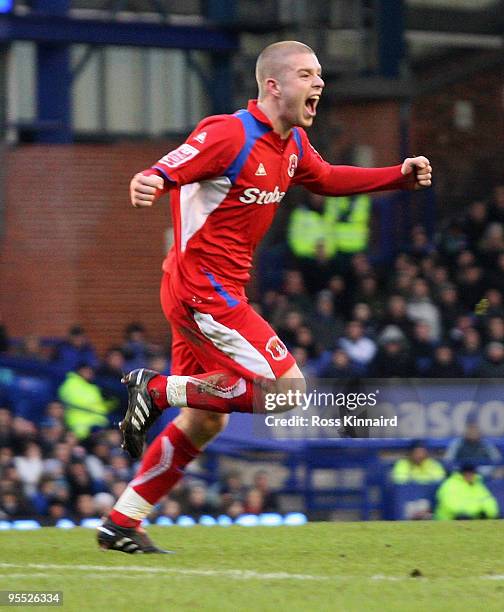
(218, 391)
(162, 467)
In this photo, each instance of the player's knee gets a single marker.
(213, 423)
(288, 391)
(293, 379)
(201, 426)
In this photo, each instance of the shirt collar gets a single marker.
(254, 110)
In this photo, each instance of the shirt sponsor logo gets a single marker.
(293, 163)
(276, 348)
(254, 195)
(177, 157)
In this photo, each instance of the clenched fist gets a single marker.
(145, 189)
(421, 168)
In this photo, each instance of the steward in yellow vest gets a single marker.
(351, 226)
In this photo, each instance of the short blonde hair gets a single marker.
(272, 60)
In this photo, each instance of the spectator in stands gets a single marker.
(51, 432)
(137, 349)
(393, 358)
(491, 245)
(288, 328)
(233, 509)
(119, 468)
(159, 363)
(497, 204)
(495, 276)
(338, 288)
(449, 305)
(475, 222)
(232, 488)
(306, 340)
(369, 293)
(113, 364)
(4, 336)
(492, 365)
(339, 367)
(14, 506)
(60, 456)
(295, 290)
(6, 456)
(494, 303)
(472, 286)
(420, 244)
(7, 436)
(307, 366)
(396, 315)
(46, 492)
(363, 313)
(197, 503)
(418, 467)
(55, 512)
(171, 509)
(30, 467)
(494, 329)
(79, 480)
(472, 448)
(471, 352)
(31, 349)
(98, 459)
(254, 502)
(76, 349)
(421, 308)
(463, 495)
(85, 507)
(422, 347)
(103, 503)
(444, 364)
(453, 240)
(327, 328)
(311, 237)
(356, 345)
(269, 498)
(86, 408)
(118, 488)
(55, 410)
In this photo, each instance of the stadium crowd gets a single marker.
(48, 473)
(437, 312)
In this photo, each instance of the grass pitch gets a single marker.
(320, 566)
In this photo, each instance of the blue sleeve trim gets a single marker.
(165, 174)
(254, 130)
(299, 142)
(230, 300)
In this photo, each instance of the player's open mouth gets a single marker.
(311, 105)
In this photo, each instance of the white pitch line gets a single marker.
(237, 574)
(33, 575)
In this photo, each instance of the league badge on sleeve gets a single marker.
(178, 156)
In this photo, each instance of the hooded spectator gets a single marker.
(75, 350)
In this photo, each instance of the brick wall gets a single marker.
(468, 162)
(374, 124)
(73, 250)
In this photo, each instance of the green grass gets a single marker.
(319, 566)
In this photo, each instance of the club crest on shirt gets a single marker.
(293, 162)
(276, 348)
